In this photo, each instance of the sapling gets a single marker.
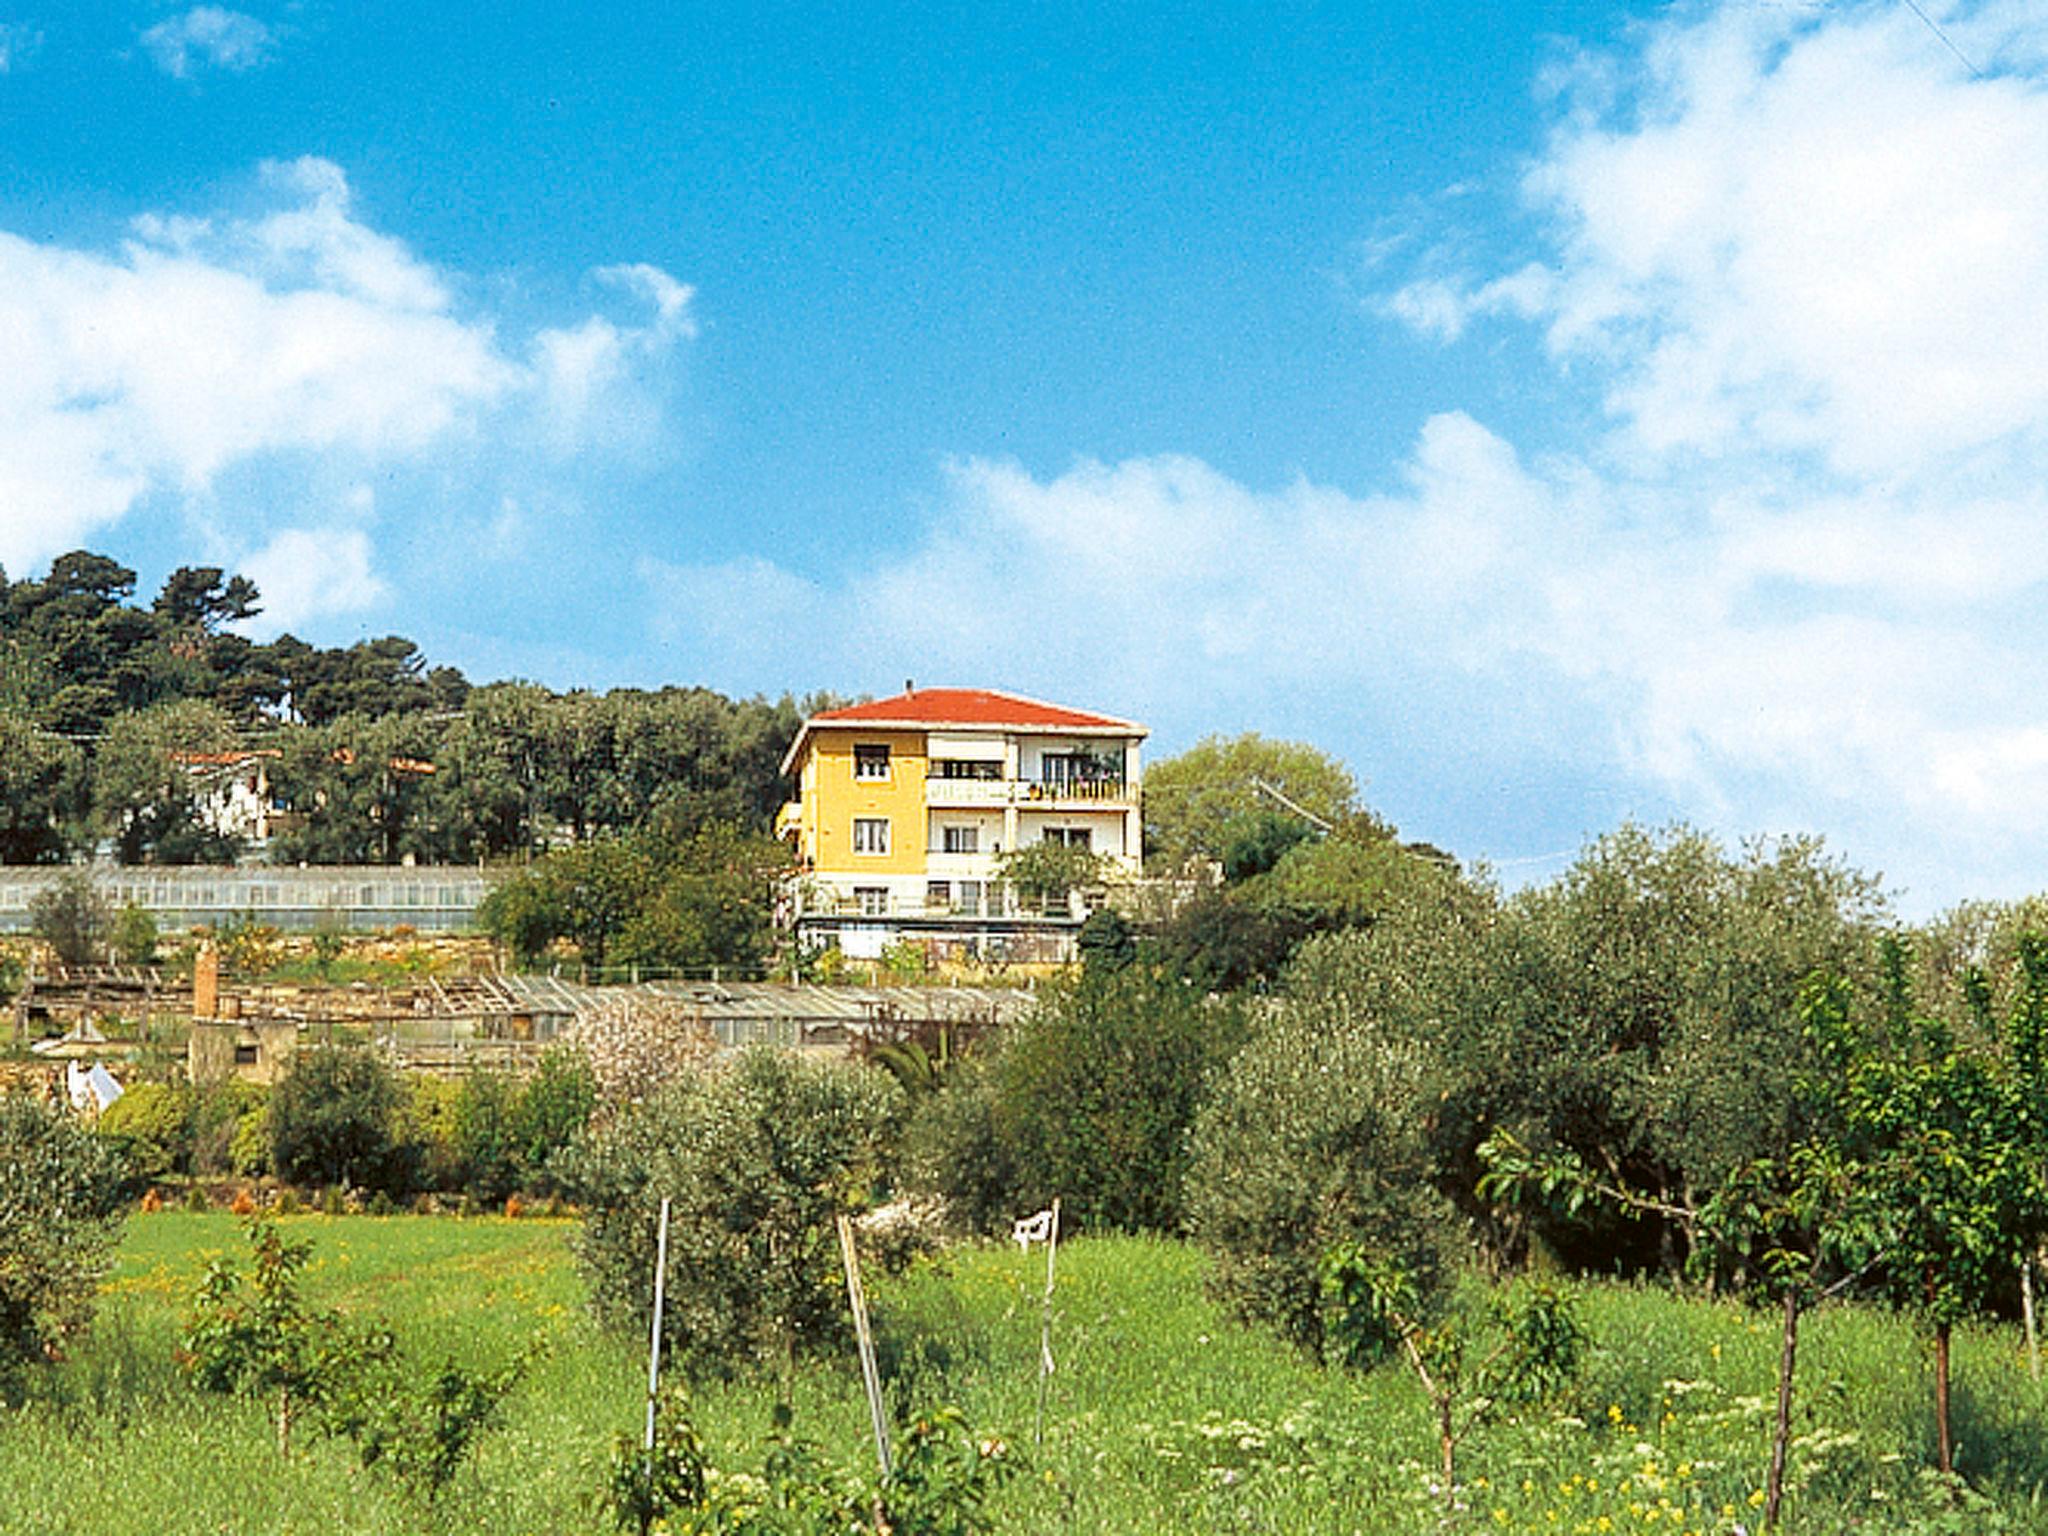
(262, 1340)
(1520, 1348)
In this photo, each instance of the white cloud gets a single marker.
(18, 44)
(1173, 579)
(312, 573)
(1810, 233)
(138, 377)
(1802, 577)
(1799, 256)
(209, 35)
(592, 374)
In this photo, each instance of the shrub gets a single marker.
(60, 1216)
(249, 1146)
(1317, 1140)
(249, 947)
(426, 1127)
(487, 1158)
(757, 1157)
(420, 1427)
(1089, 1099)
(333, 1120)
(554, 1107)
(217, 1117)
(134, 936)
(151, 1126)
(954, 1149)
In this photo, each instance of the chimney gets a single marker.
(206, 983)
(910, 685)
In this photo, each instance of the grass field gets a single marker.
(1163, 1416)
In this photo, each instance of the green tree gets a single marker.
(486, 1151)
(133, 936)
(260, 1338)
(60, 1218)
(646, 898)
(1046, 873)
(70, 914)
(368, 790)
(42, 780)
(333, 1120)
(1197, 805)
(712, 903)
(554, 1109)
(1469, 1361)
(1245, 932)
(1320, 1135)
(1639, 1013)
(758, 1158)
(586, 894)
(1090, 1099)
(151, 779)
(1943, 1135)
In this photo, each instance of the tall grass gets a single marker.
(1164, 1417)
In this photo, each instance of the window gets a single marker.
(938, 895)
(1067, 770)
(245, 1055)
(969, 900)
(870, 834)
(966, 768)
(960, 839)
(1070, 837)
(872, 900)
(871, 763)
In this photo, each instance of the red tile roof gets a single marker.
(939, 708)
(969, 706)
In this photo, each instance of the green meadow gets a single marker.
(1162, 1415)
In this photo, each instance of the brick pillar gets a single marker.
(206, 983)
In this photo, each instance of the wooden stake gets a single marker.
(1052, 1253)
(870, 1375)
(654, 1335)
(2027, 1313)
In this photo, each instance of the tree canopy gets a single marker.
(1203, 802)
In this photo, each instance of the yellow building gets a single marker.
(906, 805)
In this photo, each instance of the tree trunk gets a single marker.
(1781, 1429)
(1447, 1443)
(284, 1422)
(1945, 1443)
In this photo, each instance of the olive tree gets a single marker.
(757, 1157)
(60, 1217)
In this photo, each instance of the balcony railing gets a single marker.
(969, 793)
(1002, 902)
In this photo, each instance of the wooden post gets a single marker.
(870, 1375)
(1945, 1446)
(654, 1333)
(2027, 1315)
(1052, 1253)
(1781, 1430)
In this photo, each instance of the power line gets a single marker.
(1946, 41)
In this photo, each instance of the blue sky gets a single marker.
(1560, 412)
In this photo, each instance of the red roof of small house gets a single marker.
(223, 759)
(926, 709)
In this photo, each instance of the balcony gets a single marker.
(968, 794)
(999, 902)
(1045, 794)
